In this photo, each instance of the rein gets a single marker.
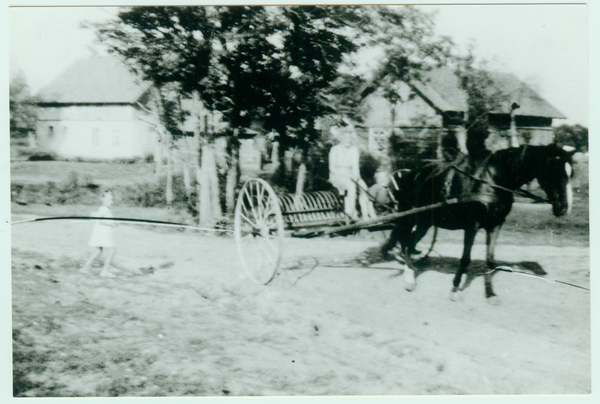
(519, 191)
(122, 220)
(510, 270)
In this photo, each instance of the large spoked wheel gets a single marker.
(258, 228)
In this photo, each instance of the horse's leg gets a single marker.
(409, 270)
(491, 238)
(418, 234)
(408, 247)
(391, 241)
(398, 232)
(464, 261)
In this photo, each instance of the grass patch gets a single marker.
(103, 173)
(27, 361)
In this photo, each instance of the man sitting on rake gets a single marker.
(344, 174)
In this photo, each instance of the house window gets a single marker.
(95, 137)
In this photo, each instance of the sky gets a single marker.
(544, 45)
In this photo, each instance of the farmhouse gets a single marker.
(95, 110)
(435, 106)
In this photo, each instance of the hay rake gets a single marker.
(262, 220)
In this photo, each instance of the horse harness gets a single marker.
(481, 169)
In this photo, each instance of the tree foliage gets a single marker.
(409, 42)
(572, 135)
(22, 105)
(482, 97)
(275, 67)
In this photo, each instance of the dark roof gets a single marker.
(95, 80)
(442, 88)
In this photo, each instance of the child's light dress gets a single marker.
(102, 234)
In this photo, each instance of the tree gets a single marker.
(270, 66)
(406, 38)
(314, 42)
(482, 97)
(572, 135)
(22, 106)
(171, 47)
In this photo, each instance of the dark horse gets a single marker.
(471, 196)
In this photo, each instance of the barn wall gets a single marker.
(500, 138)
(94, 132)
(378, 111)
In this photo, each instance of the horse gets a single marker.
(470, 195)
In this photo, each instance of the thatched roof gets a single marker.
(96, 80)
(442, 88)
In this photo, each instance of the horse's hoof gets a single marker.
(387, 256)
(456, 296)
(410, 286)
(493, 300)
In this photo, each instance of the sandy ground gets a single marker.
(200, 327)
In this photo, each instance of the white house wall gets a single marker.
(94, 132)
(500, 139)
(415, 112)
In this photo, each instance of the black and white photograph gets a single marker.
(298, 200)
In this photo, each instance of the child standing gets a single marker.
(102, 239)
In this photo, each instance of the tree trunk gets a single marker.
(204, 208)
(158, 154)
(169, 190)
(301, 179)
(187, 181)
(275, 156)
(231, 184)
(210, 205)
(213, 181)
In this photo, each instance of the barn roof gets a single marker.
(442, 88)
(95, 80)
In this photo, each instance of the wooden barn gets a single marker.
(95, 110)
(437, 105)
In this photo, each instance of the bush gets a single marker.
(42, 157)
(133, 160)
(153, 194)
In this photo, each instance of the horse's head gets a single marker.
(554, 176)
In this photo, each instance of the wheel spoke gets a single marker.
(250, 199)
(258, 221)
(249, 221)
(262, 193)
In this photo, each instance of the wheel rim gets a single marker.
(258, 230)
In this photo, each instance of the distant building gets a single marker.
(96, 110)
(437, 105)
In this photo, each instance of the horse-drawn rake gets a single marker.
(463, 197)
(263, 219)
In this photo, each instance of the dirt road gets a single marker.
(199, 327)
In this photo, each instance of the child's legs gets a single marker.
(366, 207)
(110, 254)
(121, 264)
(91, 259)
(350, 199)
